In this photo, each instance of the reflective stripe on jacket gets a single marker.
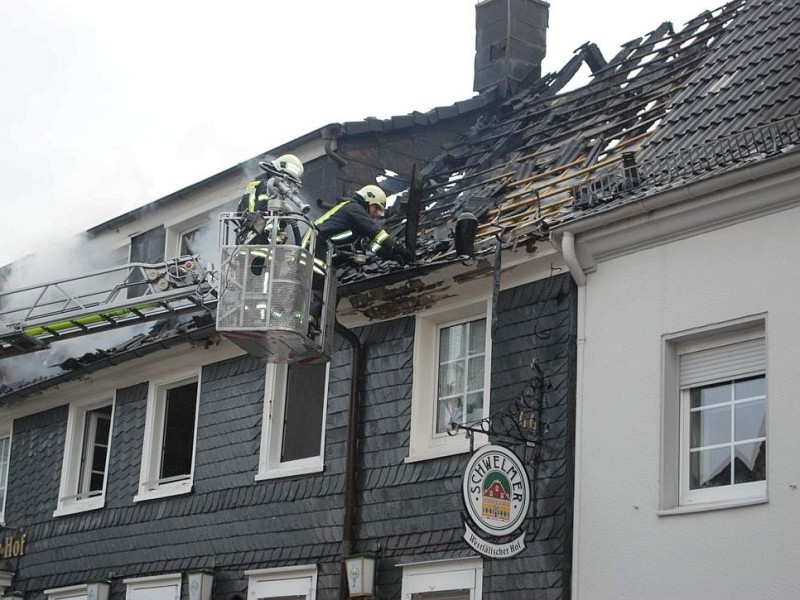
(348, 221)
(255, 196)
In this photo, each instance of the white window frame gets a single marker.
(425, 443)
(443, 576)
(74, 446)
(270, 465)
(177, 231)
(676, 497)
(73, 592)
(142, 584)
(5, 433)
(149, 489)
(299, 580)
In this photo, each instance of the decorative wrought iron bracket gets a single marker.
(520, 421)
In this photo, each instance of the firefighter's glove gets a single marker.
(245, 227)
(399, 252)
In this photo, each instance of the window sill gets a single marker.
(163, 492)
(71, 508)
(440, 452)
(280, 472)
(707, 506)
(453, 446)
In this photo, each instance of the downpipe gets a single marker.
(571, 258)
(352, 448)
(579, 276)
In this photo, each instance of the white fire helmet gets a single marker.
(289, 164)
(372, 194)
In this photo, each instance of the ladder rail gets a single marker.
(98, 293)
(66, 302)
(52, 298)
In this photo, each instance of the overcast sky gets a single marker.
(109, 105)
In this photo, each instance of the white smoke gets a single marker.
(44, 363)
(79, 259)
(71, 258)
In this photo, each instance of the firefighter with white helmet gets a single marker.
(255, 201)
(354, 219)
(287, 164)
(373, 196)
(351, 220)
(256, 194)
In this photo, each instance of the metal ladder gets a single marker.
(32, 317)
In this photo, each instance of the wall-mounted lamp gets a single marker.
(98, 589)
(200, 583)
(360, 570)
(6, 577)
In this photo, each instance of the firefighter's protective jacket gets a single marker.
(349, 221)
(255, 199)
(255, 195)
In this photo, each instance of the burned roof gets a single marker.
(669, 108)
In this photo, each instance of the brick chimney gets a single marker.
(510, 40)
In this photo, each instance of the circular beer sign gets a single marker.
(496, 490)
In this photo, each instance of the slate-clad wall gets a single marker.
(232, 523)
(412, 512)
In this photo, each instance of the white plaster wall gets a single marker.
(623, 548)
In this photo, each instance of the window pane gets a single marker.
(305, 402)
(179, 417)
(750, 462)
(750, 420)
(477, 337)
(475, 407)
(188, 240)
(99, 459)
(451, 379)
(452, 342)
(711, 426)
(103, 425)
(712, 394)
(751, 388)
(147, 247)
(475, 369)
(96, 429)
(710, 468)
(96, 482)
(461, 370)
(448, 411)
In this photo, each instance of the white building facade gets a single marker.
(687, 448)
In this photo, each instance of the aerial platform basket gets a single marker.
(267, 300)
